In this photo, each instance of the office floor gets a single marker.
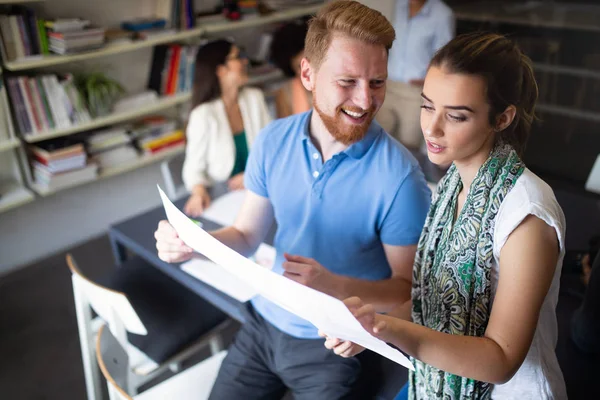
(39, 348)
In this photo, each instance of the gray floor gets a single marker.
(39, 349)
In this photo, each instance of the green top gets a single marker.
(241, 153)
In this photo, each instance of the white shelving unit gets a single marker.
(17, 194)
(208, 29)
(142, 161)
(9, 144)
(162, 104)
(14, 195)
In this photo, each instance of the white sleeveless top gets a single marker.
(540, 376)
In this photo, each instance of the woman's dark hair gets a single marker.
(508, 75)
(206, 82)
(288, 42)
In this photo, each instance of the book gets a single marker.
(53, 182)
(57, 148)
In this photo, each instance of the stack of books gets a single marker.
(111, 147)
(46, 102)
(61, 163)
(72, 36)
(172, 69)
(157, 134)
(23, 34)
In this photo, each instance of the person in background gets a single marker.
(487, 271)
(349, 203)
(287, 50)
(224, 121)
(422, 27)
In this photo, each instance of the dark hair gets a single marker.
(206, 82)
(288, 42)
(508, 75)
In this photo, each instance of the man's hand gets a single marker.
(198, 202)
(342, 348)
(236, 182)
(310, 273)
(170, 247)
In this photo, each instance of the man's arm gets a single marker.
(251, 226)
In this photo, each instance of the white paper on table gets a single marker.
(223, 280)
(328, 314)
(224, 209)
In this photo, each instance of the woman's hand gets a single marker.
(236, 182)
(373, 323)
(198, 201)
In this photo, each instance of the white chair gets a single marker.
(171, 173)
(194, 383)
(159, 322)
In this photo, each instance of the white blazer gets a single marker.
(210, 149)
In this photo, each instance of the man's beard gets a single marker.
(340, 129)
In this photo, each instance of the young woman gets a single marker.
(487, 269)
(223, 124)
(287, 50)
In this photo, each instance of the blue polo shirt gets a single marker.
(418, 38)
(339, 212)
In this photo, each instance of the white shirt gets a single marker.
(210, 149)
(540, 376)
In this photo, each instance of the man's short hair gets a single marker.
(348, 18)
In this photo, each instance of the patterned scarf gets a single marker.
(451, 276)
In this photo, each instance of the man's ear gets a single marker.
(307, 74)
(504, 120)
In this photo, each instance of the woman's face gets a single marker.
(235, 71)
(454, 117)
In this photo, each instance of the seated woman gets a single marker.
(287, 50)
(487, 270)
(224, 121)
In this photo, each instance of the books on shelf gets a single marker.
(179, 14)
(172, 69)
(74, 41)
(60, 163)
(45, 102)
(155, 134)
(22, 33)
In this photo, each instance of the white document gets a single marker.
(327, 313)
(225, 281)
(224, 209)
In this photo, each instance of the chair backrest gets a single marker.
(113, 362)
(107, 303)
(171, 172)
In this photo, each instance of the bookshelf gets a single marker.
(9, 144)
(207, 29)
(142, 161)
(164, 103)
(14, 195)
(21, 188)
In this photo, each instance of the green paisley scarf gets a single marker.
(451, 276)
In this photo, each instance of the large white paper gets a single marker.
(225, 281)
(327, 313)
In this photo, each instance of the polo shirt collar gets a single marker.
(355, 150)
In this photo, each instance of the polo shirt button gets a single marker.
(316, 174)
(315, 156)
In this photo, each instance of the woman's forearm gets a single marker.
(478, 358)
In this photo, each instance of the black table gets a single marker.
(136, 234)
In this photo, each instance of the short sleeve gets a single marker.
(255, 178)
(529, 196)
(405, 218)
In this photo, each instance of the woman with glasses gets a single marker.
(225, 119)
